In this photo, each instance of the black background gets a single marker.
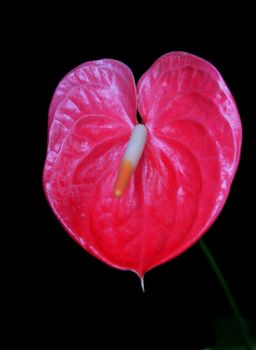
(84, 299)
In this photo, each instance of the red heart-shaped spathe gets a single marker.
(183, 178)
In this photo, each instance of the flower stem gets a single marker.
(226, 290)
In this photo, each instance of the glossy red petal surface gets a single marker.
(91, 117)
(185, 173)
(192, 117)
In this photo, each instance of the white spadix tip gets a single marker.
(136, 144)
(131, 158)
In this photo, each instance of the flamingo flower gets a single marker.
(137, 195)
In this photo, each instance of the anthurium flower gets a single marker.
(137, 195)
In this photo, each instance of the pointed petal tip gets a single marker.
(141, 277)
(142, 283)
